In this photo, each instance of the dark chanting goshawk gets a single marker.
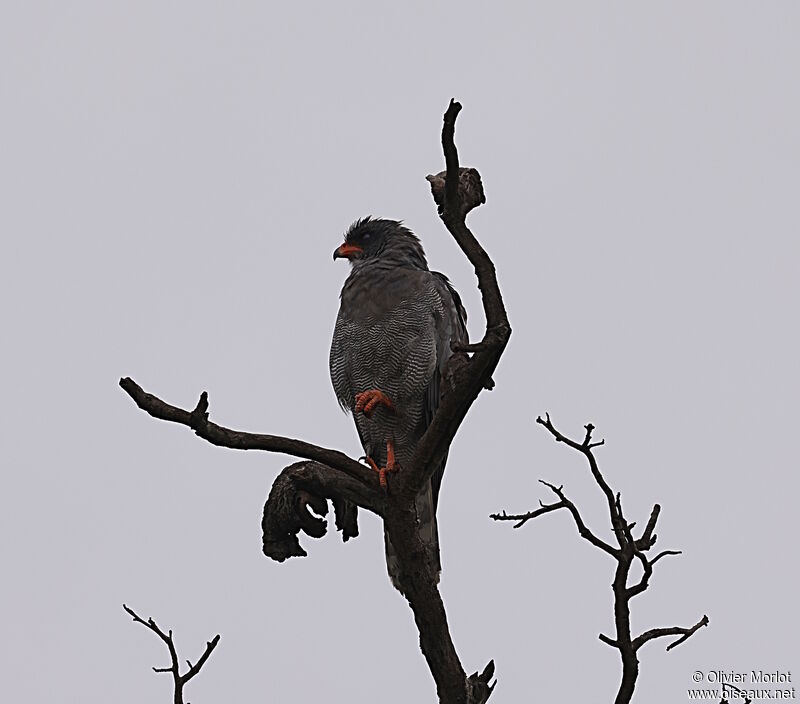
(397, 325)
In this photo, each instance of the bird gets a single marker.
(397, 331)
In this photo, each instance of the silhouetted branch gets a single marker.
(685, 634)
(198, 421)
(648, 538)
(179, 680)
(583, 531)
(462, 191)
(630, 549)
(478, 685)
(607, 640)
(585, 448)
(647, 570)
(523, 518)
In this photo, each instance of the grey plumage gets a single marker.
(394, 333)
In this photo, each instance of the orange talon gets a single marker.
(390, 462)
(391, 465)
(368, 401)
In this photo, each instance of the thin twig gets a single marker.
(179, 681)
(585, 448)
(523, 518)
(685, 634)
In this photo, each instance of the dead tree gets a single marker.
(332, 475)
(626, 552)
(179, 680)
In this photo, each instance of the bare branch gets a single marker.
(210, 645)
(685, 634)
(629, 548)
(178, 680)
(664, 553)
(648, 538)
(585, 448)
(153, 626)
(478, 687)
(462, 191)
(137, 618)
(451, 199)
(523, 518)
(647, 570)
(619, 516)
(198, 421)
(583, 530)
(607, 640)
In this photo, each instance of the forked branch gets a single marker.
(583, 531)
(630, 549)
(179, 680)
(684, 634)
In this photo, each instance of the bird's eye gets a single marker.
(365, 237)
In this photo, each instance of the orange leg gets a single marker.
(368, 401)
(391, 465)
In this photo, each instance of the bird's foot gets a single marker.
(368, 401)
(391, 464)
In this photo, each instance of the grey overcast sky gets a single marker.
(174, 178)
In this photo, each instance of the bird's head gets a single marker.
(375, 238)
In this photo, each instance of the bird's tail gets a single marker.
(428, 533)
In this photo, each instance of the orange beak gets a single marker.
(347, 251)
